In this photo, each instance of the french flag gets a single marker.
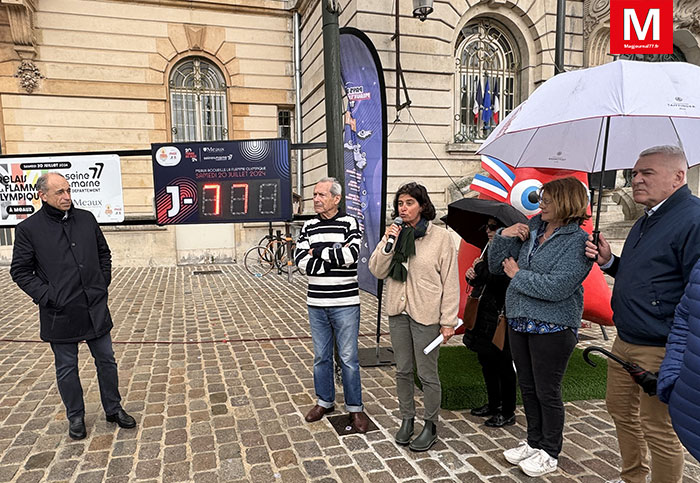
(477, 101)
(496, 103)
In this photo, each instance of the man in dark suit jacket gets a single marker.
(650, 276)
(62, 261)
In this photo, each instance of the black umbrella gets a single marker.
(640, 375)
(469, 215)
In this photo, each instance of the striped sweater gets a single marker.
(332, 264)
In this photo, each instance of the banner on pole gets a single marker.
(365, 144)
(95, 183)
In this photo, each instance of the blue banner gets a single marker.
(364, 143)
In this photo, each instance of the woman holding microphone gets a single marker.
(547, 264)
(422, 288)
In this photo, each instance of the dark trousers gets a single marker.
(68, 379)
(499, 376)
(541, 361)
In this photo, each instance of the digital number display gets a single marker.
(224, 181)
(230, 200)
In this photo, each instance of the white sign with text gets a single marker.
(95, 181)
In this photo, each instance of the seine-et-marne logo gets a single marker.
(641, 26)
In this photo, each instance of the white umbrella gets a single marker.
(602, 118)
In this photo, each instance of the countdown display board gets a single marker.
(222, 181)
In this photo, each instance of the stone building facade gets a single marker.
(448, 57)
(99, 75)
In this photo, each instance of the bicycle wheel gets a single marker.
(265, 240)
(279, 252)
(258, 261)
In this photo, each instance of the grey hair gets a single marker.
(336, 189)
(667, 150)
(42, 184)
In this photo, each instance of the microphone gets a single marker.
(392, 239)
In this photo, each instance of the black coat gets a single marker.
(65, 266)
(493, 298)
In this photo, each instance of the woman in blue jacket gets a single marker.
(679, 376)
(546, 262)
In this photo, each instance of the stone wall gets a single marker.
(99, 81)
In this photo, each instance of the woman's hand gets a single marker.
(471, 274)
(447, 333)
(519, 230)
(510, 267)
(394, 230)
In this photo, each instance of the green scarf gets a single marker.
(406, 248)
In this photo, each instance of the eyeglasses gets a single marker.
(546, 201)
(491, 226)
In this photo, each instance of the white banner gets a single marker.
(95, 182)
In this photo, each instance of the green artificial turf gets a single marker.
(463, 383)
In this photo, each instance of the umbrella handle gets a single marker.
(612, 356)
(596, 237)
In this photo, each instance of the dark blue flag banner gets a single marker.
(365, 149)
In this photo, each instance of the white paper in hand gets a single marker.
(438, 340)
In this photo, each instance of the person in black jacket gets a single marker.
(650, 277)
(496, 365)
(62, 261)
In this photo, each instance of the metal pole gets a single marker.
(297, 104)
(334, 101)
(560, 31)
(397, 41)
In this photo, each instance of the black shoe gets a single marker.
(498, 420)
(426, 439)
(76, 428)
(484, 411)
(122, 419)
(403, 436)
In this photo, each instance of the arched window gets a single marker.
(487, 79)
(198, 101)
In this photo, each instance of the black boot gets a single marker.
(426, 439)
(403, 436)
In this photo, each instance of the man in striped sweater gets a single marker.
(327, 250)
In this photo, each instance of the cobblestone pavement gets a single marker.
(216, 368)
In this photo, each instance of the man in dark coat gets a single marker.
(650, 276)
(62, 261)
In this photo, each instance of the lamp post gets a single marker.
(559, 36)
(334, 97)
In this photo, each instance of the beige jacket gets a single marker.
(430, 294)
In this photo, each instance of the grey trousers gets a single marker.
(408, 339)
(68, 379)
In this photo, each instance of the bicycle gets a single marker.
(271, 252)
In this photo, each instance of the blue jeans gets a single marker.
(344, 323)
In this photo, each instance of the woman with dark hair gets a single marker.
(547, 264)
(496, 364)
(422, 288)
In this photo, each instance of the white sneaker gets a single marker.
(538, 464)
(522, 452)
